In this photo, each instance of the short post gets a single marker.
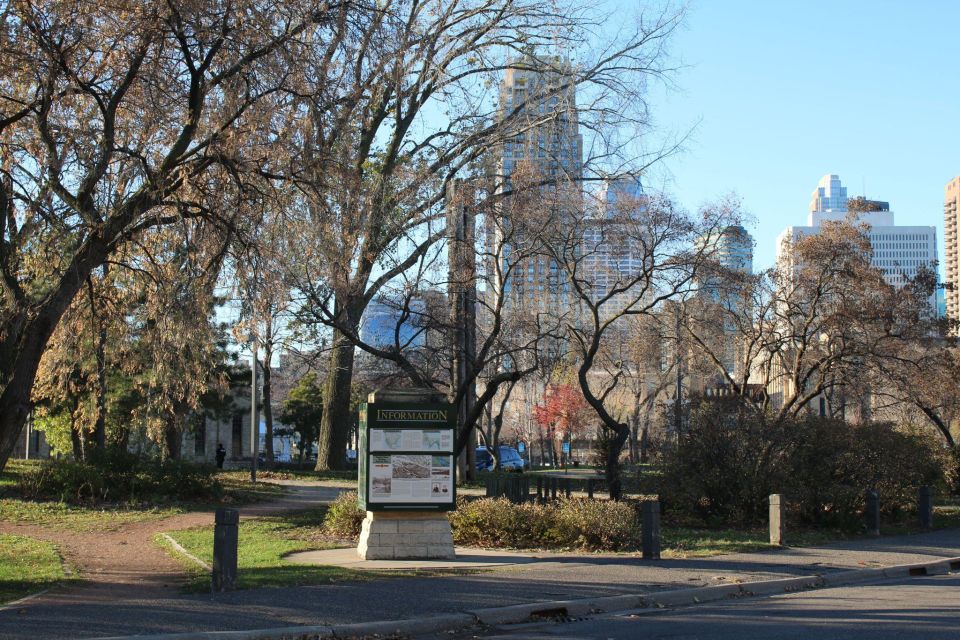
(553, 488)
(539, 489)
(651, 530)
(224, 573)
(872, 512)
(590, 488)
(776, 519)
(926, 507)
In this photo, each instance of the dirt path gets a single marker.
(126, 564)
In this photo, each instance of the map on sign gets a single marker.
(411, 440)
(411, 478)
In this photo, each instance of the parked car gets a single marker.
(510, 459)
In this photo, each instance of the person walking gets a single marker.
(221, 455)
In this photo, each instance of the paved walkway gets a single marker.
(550, 576)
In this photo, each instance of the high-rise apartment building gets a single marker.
(735, 249)
(542, 143)
(732, 252)
(612, 253)
(898, 250)
(540, 102)
(951, 237)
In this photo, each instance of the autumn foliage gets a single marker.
(563, 411)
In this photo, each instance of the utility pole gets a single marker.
(462, 261)
(254, 421)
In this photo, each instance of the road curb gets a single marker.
(19, 602)
(528, 612)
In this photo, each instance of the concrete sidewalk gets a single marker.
(541, 577)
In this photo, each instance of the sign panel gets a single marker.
(411, 440)
(411, 478)
(406, 457)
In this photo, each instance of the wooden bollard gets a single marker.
(224, 574)
(651, 530)
(925, 507)
(872, 512)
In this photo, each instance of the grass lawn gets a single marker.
(27, 566)
(263, 543)
(685, 542)
(688, 542)
(11, 474)
(59, 515)
(239, 489)
(85, 518)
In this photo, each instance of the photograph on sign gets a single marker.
(411, 478)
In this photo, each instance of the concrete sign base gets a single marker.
(392, 535)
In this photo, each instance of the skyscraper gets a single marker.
(612, 254)
(723, 286)
(899, 251)
(951, 237)
(735, 249)
(542, 143)
(539, 101)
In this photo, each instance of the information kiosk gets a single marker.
(406, 475)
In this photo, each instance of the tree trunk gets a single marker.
(172, 437)
(23, 340)
(645, 442)
(335, 425)
(77, 441)
(614, 447)
(100, 329)
(266, 402)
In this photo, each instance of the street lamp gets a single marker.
(254, 422)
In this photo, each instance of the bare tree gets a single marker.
(808, 328)
(417, 89)
(622, 262)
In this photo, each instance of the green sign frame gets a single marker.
(406, 457)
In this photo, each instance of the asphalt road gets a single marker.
(82, 613)
(927, 608)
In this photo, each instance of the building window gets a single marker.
(200, 437)
(237, 446)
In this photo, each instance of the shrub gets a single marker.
(599, 524)
(119, 477)
(569, 523)
(729, 460)
(344, 516)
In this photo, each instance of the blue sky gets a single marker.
(785, 92)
